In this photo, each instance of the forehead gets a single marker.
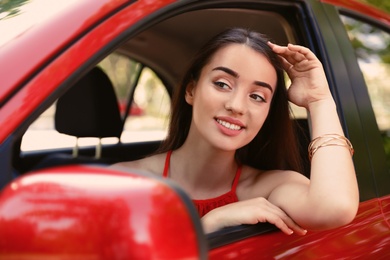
(234, 50)
(246, 61)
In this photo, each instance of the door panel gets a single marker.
(368, 235)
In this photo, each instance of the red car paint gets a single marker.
(367, 237)
(362, 8)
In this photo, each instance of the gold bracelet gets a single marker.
(329, 140)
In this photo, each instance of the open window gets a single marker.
(372, 48)
(143, 101)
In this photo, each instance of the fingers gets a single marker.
(291, 225)
(281, 220)
(287, 66)
(305, 52)
(293, 54)
(279, 223)
(261, 210)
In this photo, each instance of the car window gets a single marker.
(372, 48)
(146, 119)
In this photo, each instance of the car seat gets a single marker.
(88, 109)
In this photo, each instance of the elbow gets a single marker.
(343, 215)
(333, 216)
(344, 210)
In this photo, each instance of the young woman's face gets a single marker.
(232, 97)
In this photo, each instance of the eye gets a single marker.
(257, 98)
(221, 85)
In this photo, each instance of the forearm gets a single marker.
(333, 186)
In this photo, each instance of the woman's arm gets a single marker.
(250, 211)
(331, 197)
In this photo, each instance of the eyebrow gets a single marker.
(236, 75)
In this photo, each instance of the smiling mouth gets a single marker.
(229, 125)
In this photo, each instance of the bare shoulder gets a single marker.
(153, 164)
(259, 183)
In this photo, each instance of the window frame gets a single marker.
(377, 155)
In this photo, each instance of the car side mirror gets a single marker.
(97, 213)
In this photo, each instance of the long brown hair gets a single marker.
(275, 145)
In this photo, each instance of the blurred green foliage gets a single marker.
(368, 41)
(10, 8)
(381, 4)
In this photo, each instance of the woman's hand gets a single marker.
(250, 211)
(308, 81)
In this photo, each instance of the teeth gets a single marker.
(228, 125)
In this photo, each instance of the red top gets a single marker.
(204, 206)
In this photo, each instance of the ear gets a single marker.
(190, 90)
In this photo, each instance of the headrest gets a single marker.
(90, 108)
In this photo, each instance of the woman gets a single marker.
(231, 145)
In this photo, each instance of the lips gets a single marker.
(229, 126)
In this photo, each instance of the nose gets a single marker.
(236, 103)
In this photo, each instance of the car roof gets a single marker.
(179, 37)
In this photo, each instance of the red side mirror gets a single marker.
(97, 213)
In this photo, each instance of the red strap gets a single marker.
(167, 161)
(236, 179)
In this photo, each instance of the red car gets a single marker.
(64, 65)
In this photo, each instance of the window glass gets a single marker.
(372, 48)
(146, 120)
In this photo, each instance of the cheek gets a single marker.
(205, 97)
(202, 104)
(259, 116)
